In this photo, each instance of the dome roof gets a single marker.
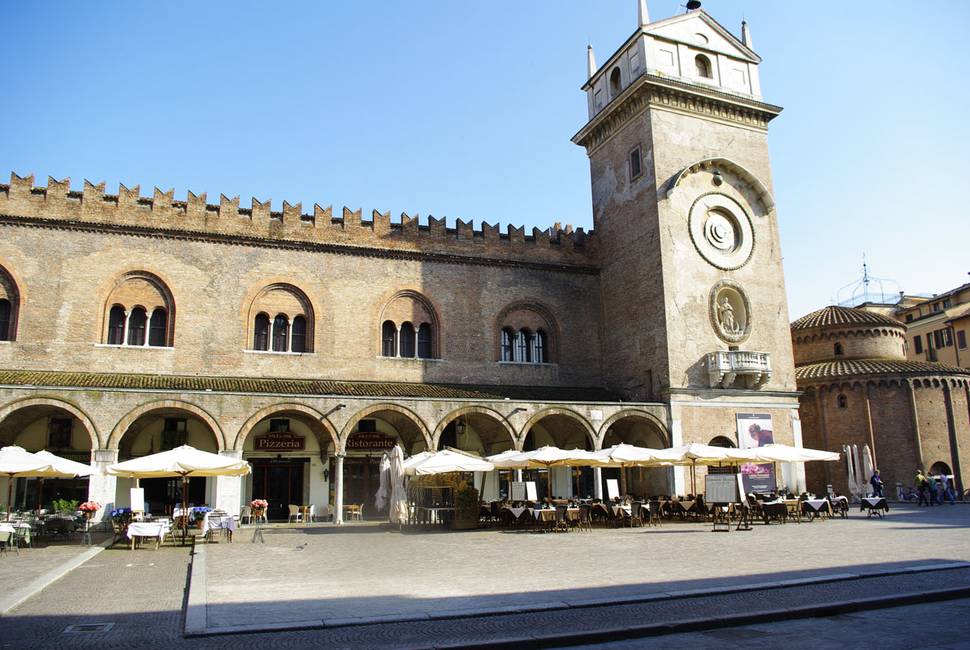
(833, 316)
(844, 369)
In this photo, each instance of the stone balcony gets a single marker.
(738, 369)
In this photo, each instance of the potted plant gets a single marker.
(466, 507)
(259, 508)
(88, 508)
(198, 515)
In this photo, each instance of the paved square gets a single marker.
(305, 575)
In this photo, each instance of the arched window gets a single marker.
(940, 468)
(261, 332)
(508, 351)
(298, 339)
(424, 341)
(838, 350)
(523, 346)
(539, 347)
(616, 83)
(157, 328)
(703, 66)
(281, 332)
(389, 339)
(843, 401)
(136, 326)
(116, 325)
(407, 340)
(5, 320)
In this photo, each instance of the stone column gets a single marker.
(124, 340)
(677, 474)
(338, 507)
(229, 488)
(598, 482)
(102, 487)
(917, 437)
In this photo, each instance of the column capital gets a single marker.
(105, 455)
(231, 453)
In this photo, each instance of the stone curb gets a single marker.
(197, 603)
(702, 624)
(12, 598)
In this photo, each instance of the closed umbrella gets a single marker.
(397, 509)
(184, 462)
(850, 470)
(867, 468)
(380, 499)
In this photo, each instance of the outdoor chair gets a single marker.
(311, 514)
(246, 515)
(562, 520)
(496, 510)
(6, 540)
(22, 537)
(585, 517)
(295, 514)
(636, 517)
(653, 513)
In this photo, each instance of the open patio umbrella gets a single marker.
(184, 462)
(695, 453)
(548, 456)
(417, 458)
(17, 462)
(443, 462)
(65, 465)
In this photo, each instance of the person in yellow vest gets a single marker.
(922, 485)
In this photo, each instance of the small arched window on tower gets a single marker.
(838, 350)
(540, 347)
(424, 341)
(261, 332)
(407, 340)
(136, 326)
(389, 339)
(523, 346)
(843, 401)
(703, 67)
(298, 337)
(508, 351)
(281, 332)
(616, 83)
(116, 325)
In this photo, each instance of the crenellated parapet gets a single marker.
(164, 215)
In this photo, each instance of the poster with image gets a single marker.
(754, 430)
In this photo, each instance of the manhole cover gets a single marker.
(89, 627)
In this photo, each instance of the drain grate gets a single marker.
(89, 627)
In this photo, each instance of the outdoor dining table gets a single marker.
(876, 505)
(682, 507)
(774, 510)
(814, 508)
(156, 529)
(219, 522)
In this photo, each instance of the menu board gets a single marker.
(138, 499)
(530, 491)
(721, 488)
(612, 488)
(518, 491)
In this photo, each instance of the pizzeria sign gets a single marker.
(280, 442)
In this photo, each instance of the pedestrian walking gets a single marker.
(876, 482)
(948, 490)
(931, 488)
(921, 487)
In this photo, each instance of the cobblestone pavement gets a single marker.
(26, 564)
(333, 573)
(933, 626)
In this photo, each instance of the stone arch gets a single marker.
(290, 301)
(541, 314)
(397, 314)
(758, 187)
(114, 440)
(556, 410)
(287, 407)
(479, 410)
(377, 408)
(28, 402)
(646, 415)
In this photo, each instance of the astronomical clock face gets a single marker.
(721, 231)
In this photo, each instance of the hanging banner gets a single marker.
(755, 430)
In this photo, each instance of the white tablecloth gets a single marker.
(147, 529)
(516, 512)
(216, 523)
(873, 502)
(816, 504)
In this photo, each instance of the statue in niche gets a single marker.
(726, 319)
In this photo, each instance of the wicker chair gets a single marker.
(585, 517)
(653, 513)
(636, 516)
(562, 520)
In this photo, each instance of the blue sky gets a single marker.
(465, 109)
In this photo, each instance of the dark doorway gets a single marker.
(280, 482)
(362, 479)
(162, 494)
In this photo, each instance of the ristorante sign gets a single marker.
(280, 442)
(370, 442)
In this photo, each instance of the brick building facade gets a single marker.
(136, 323)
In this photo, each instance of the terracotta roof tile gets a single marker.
(314, 387)
(834, 316)
(855, 367)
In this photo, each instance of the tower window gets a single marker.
(616, 84)
(157, 328)
(116, 325)
(407, 340)
(838, 350)
(424, 341)
(703, 67)
(281, 331)
(389, 339)
(298, 339)
(507, 349)
(636, 164)
(843, 401)
(136, 326)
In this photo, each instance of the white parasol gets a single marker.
(446, 461)
(417, 458)
(380, 499)
(850, 470)
(780, 453)
(867, 469)
(397, 510)
(17, 462)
